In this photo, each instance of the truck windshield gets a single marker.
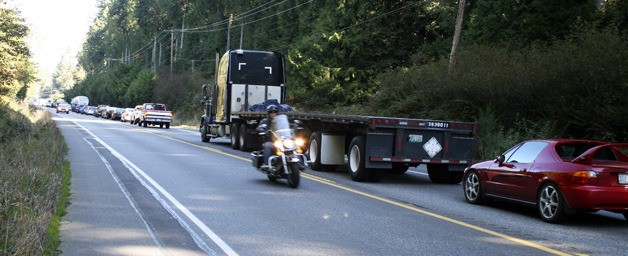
(256, 68)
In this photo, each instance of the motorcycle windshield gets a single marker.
(282, 127)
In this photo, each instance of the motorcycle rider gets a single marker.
(264, 125)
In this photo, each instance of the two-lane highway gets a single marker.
(152, 191)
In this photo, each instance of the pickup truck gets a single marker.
(153, 114)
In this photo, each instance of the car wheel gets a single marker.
(168, 126)
(145, 124)
(473, 191)
(550, 203)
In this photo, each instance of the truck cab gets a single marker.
(243, 78)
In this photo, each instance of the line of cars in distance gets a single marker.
(102, 111)
(142, 115)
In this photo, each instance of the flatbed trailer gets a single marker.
(371, 145)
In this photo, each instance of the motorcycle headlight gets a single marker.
(278, 144)
(299, 142)
(288, 143)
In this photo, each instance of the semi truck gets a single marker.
(369, 146)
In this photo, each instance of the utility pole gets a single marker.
(229, 32)
(154, 60)
(241, 34)
(171, 49)
(182, 32)
(458, 30)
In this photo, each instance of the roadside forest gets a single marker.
(33, 174)
(525, 69)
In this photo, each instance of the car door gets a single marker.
(509, 179)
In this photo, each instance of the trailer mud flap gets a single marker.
(379, 144)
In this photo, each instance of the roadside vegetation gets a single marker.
(32, 152)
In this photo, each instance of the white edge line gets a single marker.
(134, 169)
(128, 197)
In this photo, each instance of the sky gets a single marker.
(58, 28)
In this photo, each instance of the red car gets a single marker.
(559, 177)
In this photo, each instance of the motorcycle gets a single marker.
(287, 160)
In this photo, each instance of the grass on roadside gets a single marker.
(32, 152)
(64, 200)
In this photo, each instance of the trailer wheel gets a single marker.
(235, 143)
(243, 131)
(314, 151)
(376, 175)
(398, 168)
(356, 160)
(439, 173)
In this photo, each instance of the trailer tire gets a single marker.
(356, 160)
(314, 153)
(398, 168)
(376, 175)
(439, 173)
(235, 136)
(242, 132)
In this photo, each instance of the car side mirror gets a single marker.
(501, 159)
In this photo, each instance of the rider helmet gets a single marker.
(272, 109)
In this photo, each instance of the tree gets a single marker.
(16, 71)
(64, 76)
(517, 23)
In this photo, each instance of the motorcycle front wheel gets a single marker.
(294, 175)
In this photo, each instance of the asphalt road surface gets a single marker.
(152, 191)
